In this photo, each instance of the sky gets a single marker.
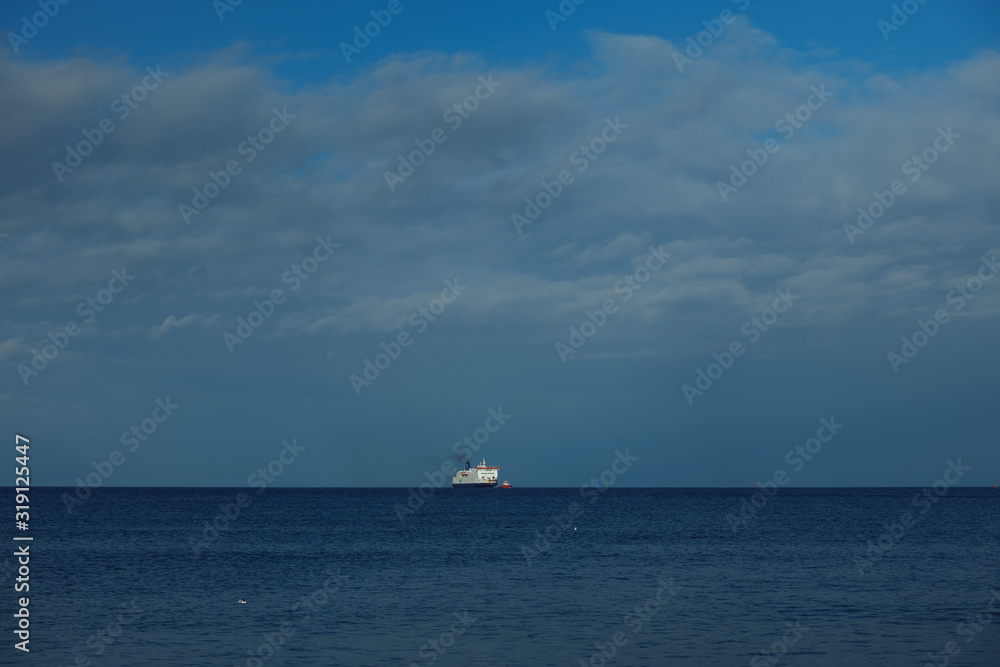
(559, 235)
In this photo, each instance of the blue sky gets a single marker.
(511, 32)
(314, 186)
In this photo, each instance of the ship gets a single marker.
(506, 485)
(480, 476)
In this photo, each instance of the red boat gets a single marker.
(506, 485)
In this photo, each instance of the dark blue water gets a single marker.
(119, 582)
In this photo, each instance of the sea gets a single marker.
(522, 576)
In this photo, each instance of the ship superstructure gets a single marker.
(480, 476)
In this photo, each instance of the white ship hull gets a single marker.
(482, 476)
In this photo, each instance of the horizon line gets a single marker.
(51, 486)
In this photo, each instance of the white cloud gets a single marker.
(171, 323)
(657, 184)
